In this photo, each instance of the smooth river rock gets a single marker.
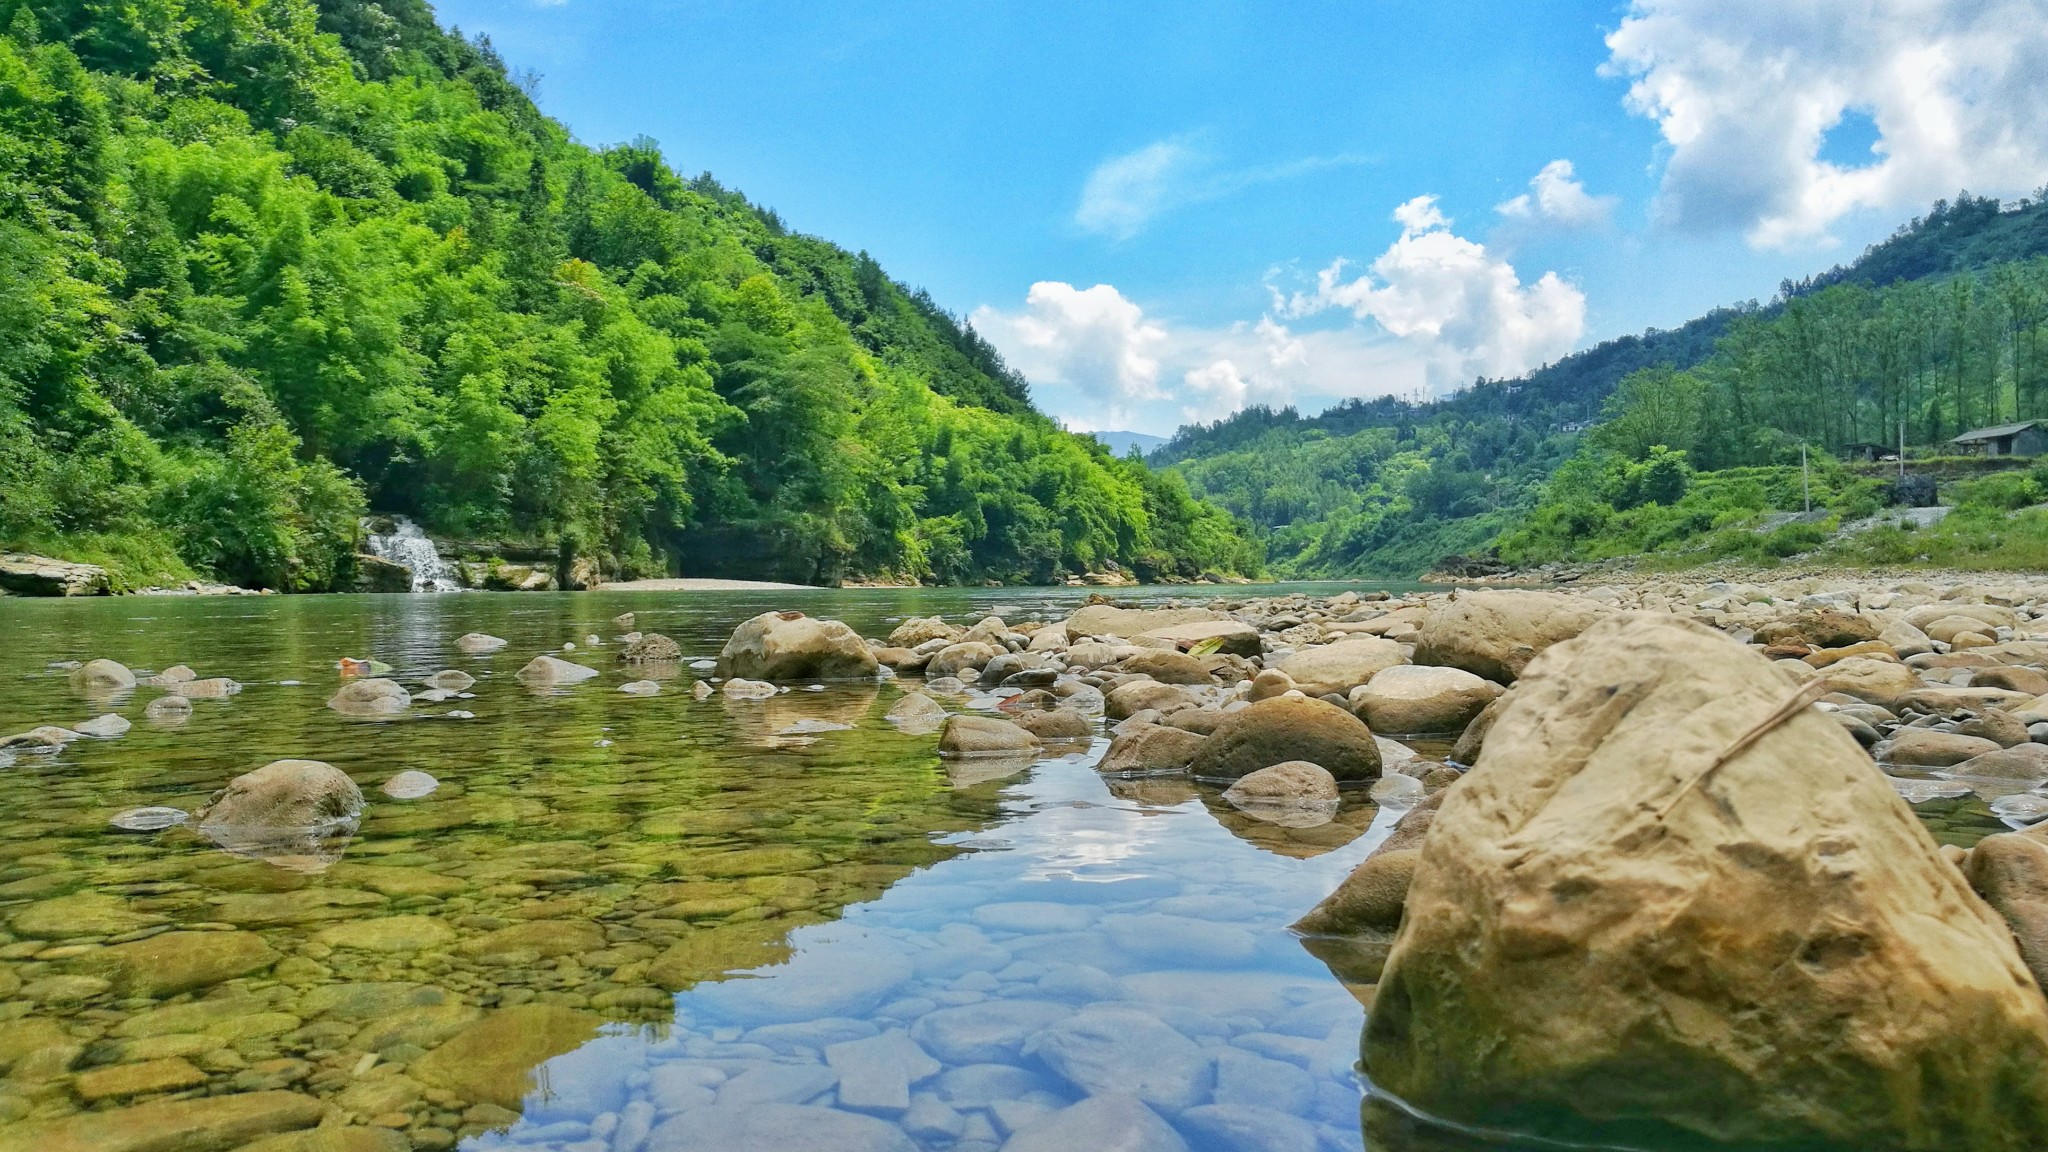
(1496, 633)
(793, 646)
(1289, 728)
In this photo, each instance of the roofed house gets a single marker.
(2027, 438)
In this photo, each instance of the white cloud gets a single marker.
(1459, 309)
(1745, 92)
(1092, 339)
(1556, 197)
(1126, 193)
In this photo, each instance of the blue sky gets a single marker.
(1146, 205)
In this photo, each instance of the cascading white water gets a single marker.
(406, 544)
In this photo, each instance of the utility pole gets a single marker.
(1805, 480)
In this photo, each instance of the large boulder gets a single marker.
(1231, 636)
(1410, 699)
(479, 643)
(25, 574)
(284, 794)
(2011, 872)
(917, 630)
(652, 648)
(1880, 682)
(1342, 666)
(1127, 700)
(1289, 728)
(1926, 748)
(1496, 633)
(954, 659)
(793, 646)
(1610, 933)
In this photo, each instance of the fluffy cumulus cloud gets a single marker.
(1461, 310)
(1556, 197)
(1431, 313)
(1745, 93)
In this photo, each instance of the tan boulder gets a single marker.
(373, 697)
(1371, 898)
(1926, 748)
(2012, 678)
(1056, 724)
(1340, 667)
(1270, 683)
(1880, 682)
(2011, 872)
(494, 1060)
(99, 676)
(1412, 699)
(965, 735)
(1781, 958)
(1990, 614)
(1231, 636)
(1289, 728)
(1127, 700)
(1168, 667)
(284, 794)
(1150, 750)
(954, 659)
(918, 629)
(1496, 633)
(793, 646)
(1948, 628)
(1108, 620)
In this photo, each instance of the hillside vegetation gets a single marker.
(1940, 327)
(265, 265)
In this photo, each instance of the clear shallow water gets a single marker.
(536, 954)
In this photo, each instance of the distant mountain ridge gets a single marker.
(1121, 443)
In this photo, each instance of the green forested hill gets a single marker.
(1940, 326)
(265, 264)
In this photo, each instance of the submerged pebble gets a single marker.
(153, 819)
(410, 784)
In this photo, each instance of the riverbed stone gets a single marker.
(875, 1073)
(553, 671)
(1168, 666)
(958, 659)
(479, 643)
(1118, 1122)
(1495, 634)
(173, 962)
(1288, 728)
(1127, 700)
(1880, 682)
(652, 648)
(79, 914)
(1926, 748)
(102, 676)
(493, 1060)
(1338, 668)
(168, 710)
(548, 938)
(1414, 699)
(388, 934)
(1057, 724)
(991, 1032)
(916, 630)
(1810, 911)
(451, 680)
(284, 794)
(204, 1123)
(1150, 750)
(1291, 783)
(776, 1128)
(373, 697)
(792, 646)
(141, 1079)
(2027, 763)
(967, 735)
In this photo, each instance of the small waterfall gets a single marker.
(406, 544)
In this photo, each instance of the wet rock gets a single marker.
(211, 688)
(493, 1060)
(991, 1032)
(1289, 728)
(1099, 1122)
(959, 659)
(1342, 666)
(79, 914)
(737, 689)
(1108, 620)
(1926, 748)
(1371, 898)
(1127, 700)
(410, 784)
(793, 646)
(777, 1084)
(168, 710)
(1496, 633)
(1812, 914)
(479, 643)
(1168, 667)
(97, 676)
(208, 1122)
(451, 680)
(546, 938)
(1111, 1050)
(2027, 763)
(374, 697)
(105, 727)
(1151, 750)
(1820, 628)
(2012, 678)
(548, 671)
(284, 794)
(172, 962)
(776, 1128)
(965, 735)
(1411, 699)
(712, 952)
(875, 1074)
(152, 819)
(1292, 784)
(388, 934)
(916, 714)
(1058, 724)
(1249, 1128)
(652, 648)
(641, 688)
(1993, 724)
(46, 737)
(25, 574)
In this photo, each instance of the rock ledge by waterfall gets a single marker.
(405, 544)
